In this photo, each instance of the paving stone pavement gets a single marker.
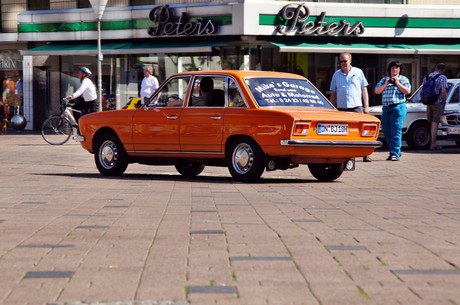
(387, 233)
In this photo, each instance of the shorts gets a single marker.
(434, 112)
(359, 109)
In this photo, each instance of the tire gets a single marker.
(110, 155)
(326, 172)
(418, 136)
(245, 160)
(56, 130)
(189, 169)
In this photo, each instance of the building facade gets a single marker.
(303, 38)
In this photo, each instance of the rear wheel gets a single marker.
(245, 160)
(418, 136)
(56, 130)
(110, 155)
(326, 172)
(189, 169)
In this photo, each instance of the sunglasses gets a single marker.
(342, 61)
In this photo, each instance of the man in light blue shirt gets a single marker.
(349, 89)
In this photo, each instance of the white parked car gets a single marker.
(450, 126)
(416, 130)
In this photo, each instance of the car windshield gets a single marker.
(269, 92)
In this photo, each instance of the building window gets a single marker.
(83, 4)
(142, 2)
(366, 1)
(35, 5)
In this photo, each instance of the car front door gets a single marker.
(156, 127)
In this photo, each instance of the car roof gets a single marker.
(245, 73)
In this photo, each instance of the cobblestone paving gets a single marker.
(387, 233)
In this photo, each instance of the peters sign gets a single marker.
(295, 17)
(167, 24)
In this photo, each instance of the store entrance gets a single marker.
(42, 96)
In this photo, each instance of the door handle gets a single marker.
(173, 117)
(216, 117)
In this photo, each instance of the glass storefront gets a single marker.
(11, 100)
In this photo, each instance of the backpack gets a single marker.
(428, 94)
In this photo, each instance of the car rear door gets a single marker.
(202, 126)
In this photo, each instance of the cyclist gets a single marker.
(87, 90)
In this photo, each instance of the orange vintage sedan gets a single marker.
(248, 121)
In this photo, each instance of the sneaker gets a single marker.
(394, 158)
(389, 158)
(367, 159)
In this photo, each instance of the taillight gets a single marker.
(369, 130)
(301, 129)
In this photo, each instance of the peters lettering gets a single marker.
(169, 25)
(296, 16)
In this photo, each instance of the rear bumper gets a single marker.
(322, 143)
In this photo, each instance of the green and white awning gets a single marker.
(112, 48)
(370, 48)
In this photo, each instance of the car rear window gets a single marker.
(269, 92)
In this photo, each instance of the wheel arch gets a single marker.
(99, 133)
(240, 136)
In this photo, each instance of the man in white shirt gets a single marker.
(87, 90)
(149, 84)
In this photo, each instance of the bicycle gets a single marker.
(58, 128)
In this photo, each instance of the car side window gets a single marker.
(173, 93)
(235, 98)
(208, 91)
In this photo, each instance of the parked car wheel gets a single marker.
(245, 160)
(326, 172)
(110, 155)
(189, 169)
(418, 136)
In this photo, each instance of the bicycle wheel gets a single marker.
(56, 130)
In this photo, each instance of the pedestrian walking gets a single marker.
(435, 111)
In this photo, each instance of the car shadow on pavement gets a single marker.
(178, 177)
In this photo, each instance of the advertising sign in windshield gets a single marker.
(269, 92)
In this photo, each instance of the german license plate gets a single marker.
(453, 130)
(332, 129)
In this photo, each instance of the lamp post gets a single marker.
(99, 7)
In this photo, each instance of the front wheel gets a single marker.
(326, 172)
(189, 169)
(245, 160)
(56, 130)
(418, 136)
(110, 155)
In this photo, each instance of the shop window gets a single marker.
(35, 5)
(83, 4)
(141, 2)
(365, 1)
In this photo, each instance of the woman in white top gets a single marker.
(88, 91)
